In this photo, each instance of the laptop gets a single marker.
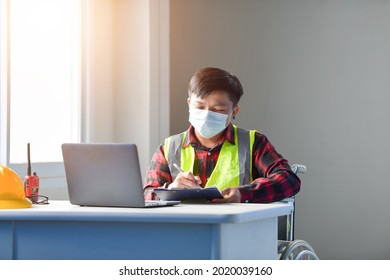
(105, 175)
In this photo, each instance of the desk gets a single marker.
(186, 231)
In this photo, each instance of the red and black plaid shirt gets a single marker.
(273, 178)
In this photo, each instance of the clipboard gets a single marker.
(188, 194)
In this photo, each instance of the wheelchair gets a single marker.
(288, 247)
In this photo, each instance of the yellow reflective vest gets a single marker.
(234, 164)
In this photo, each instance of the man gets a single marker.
(243, 164)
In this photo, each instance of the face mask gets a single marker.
(207, 123)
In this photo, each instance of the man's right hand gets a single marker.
(185, 180)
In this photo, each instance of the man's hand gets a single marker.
(185, 180)
(230, 195)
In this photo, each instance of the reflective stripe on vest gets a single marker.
(234, 164)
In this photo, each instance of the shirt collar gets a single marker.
(191, 138)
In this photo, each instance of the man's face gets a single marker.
(217, 101)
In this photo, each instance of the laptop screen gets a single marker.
(103, 174)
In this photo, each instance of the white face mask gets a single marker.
(207, 123)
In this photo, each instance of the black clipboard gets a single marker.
(188, 194)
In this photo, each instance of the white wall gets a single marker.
(316, 78)
(131, 74)
(99, 55)
(128, 84)
(141, 93)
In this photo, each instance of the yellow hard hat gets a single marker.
(12, 190)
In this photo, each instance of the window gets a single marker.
(44, 77)
(40, 82)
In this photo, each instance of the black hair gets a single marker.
(209, 79)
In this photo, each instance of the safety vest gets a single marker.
(234, 164)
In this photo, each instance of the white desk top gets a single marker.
(182, 213)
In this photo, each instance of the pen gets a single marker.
(178, 167)
(181, 170)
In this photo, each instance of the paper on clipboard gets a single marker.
(188, 194)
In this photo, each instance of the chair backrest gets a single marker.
(286, 223)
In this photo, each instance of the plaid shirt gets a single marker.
(273, 177)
